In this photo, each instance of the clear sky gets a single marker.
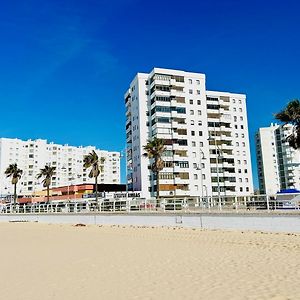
(65, 65)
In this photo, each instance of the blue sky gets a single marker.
(65, 65)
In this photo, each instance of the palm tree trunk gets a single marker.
(15, 195)
(157, 189)
(96, 188)
(48, 194)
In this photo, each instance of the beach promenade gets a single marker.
(64, 261)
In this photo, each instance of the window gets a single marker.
(247, 180)
(240, 110)
(201, 144)
(198, 92)
(242, 135)
(194, 154)
(191, 112)
(237, 144)
(198, 81)
(193, 133)
(239, 162)
(194, 165)
(203, 176)
(199, 123)
(240, 179)
(195, 176)
(235, 126)
(193, 144)
(242, 126)
(246, 171)
(236, 135)
(233, 100)
(235, 118)
(190, 91)
(247, 189)
(243, 144)
(199, 102)
(241, 118)
(234, 109)
(190, 81)
(240, 101)
(191, 101)
(196, 187)
(241, 189)
(245, 162)
(239, 171)
(192, 122)
(200, 133)
(199, 112)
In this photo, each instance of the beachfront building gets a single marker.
(278, 164)
(32, 155)
(205, 133)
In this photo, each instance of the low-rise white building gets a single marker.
(32, 155)
(205, 133)
(278, 164)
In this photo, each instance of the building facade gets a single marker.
(278, 164)
(32, 155)
(205, 133)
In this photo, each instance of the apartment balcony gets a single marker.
(174, 92)
(159, 82)
(226, 138)
(227, 165)
(160, 93)
(178, 169)
(213, 116)
(180, 158)
(225, 129)
(165, 181)
(229, 174)
(227, 147)
(179, 125)
(181, 193)
(179, 181)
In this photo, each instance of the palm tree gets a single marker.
(154, 150)
(15, 173)
(291, 115)
(92, 160)
(47, 172)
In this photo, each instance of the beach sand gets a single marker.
(47, 261)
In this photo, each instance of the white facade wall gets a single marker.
(198, 127)
(278, 164)
(32, 155)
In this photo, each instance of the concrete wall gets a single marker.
(288, 223)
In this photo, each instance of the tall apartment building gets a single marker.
(205, 133)
(278, 164)
(32, 155)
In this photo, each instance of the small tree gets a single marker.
(92, 161)
(291, 115)
(47, 172)
(15, 173)
(154, 150)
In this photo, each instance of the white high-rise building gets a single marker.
(205, 133)
(32, 155)
(278, 164)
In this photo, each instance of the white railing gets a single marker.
(224, 204)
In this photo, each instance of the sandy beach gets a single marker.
(46, 261)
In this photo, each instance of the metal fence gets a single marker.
(187, 204)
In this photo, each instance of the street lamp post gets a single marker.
(200, 169)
